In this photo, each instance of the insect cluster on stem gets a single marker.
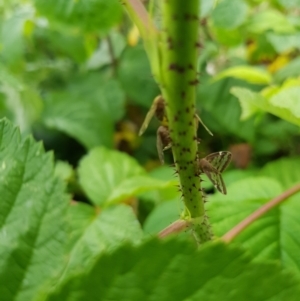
(212, 165)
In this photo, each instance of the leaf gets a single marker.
(63, 41)
(90, 15)
(229, 14)
(288, 99)
(284, 43)
(33, 229)
(262, 21)
(12, 36)
(102, 56)
(284, 171)
(162, 216)
(21, 103)
(221, 110)
(64, 170)
(86, 109)
(205, 8)
(135, 76)
(174, 270)
(228, 37)
(93, 233)
(272, 236)
(289, 4)
(247, 73)
(162, 173)
(292, 69)
(109, 177)
(253, 99)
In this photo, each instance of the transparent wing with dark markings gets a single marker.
(160, 147)
(213, 165)
(219, 160)
(217, 180)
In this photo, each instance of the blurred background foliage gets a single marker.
(76, 76)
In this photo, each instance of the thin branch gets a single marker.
(114, 61)
(140, 16)
(175, 227)
(234, 232)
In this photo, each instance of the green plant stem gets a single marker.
(173, 56)
(234, 232)
(179, 51)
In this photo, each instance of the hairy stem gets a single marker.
(173, 55)
(234, 232)
(179, 50)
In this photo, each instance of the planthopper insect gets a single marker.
(163, 140)
(158, 109)
(213, 165)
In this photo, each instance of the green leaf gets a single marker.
(168, 193)
(272, 236)
(162, 216)
(229, 14)
(284, 43)
(269, 20)
(284, 171)
(64, 170)
(283, 110)
(222, 111)
(174, 270)
(66, 42)
(205, 8)
(247, 73)
(21, 103)
(103, 56)
(288, 4)
(93, 233)
(86, 110)
(228, 37)
(135, 76)
(32, 220)
(109, 177)
(12, 37)
(288, 99)
(90, 15)
(292, 69)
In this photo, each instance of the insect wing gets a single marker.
(213, 174)
(219, 160)
(217, 180)
(163, 141)
(160, 147)
(157, 108)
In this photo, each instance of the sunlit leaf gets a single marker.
(286, 110)
(33, 228)
(247, 73)
(110, 177)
